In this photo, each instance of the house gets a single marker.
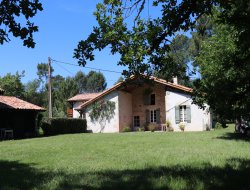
(138, 103)
(76, 101)
(18, 115)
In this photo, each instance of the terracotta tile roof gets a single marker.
(161, 81)
(10, 102)
(83, 97)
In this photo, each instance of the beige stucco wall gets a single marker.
(125, 110)
(139, 109)
(199, 117)
(111, 126)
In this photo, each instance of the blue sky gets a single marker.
(62, 24)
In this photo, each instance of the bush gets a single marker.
(126, 129)
(182, 126)
(57, 126)
(168, 124)
(218, 125)
(152, 127)
(170, 129)
(141, 129)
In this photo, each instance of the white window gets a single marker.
(183, 114)
(153, 116)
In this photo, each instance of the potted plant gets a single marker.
(182, 126)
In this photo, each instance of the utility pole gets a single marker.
(49, 87)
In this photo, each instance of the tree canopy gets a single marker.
(12, 84)
(144, 45)
(63, 88)
(11, 15)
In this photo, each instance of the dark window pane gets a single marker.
(152, 99)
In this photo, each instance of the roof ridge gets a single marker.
(162, 81)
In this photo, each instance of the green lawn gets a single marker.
(191, 160)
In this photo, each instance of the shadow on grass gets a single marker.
(234, 175)
(234, 136)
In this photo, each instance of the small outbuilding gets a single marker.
(19, 116)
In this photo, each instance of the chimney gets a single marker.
(175, 80)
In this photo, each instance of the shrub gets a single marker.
(218, 125)
(168, 123)
(152, 127)
(141, 129)
(182, 126)
(57, 126)
(170, 129)
(126, 129)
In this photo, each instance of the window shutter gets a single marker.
(188, 114)
(147, 116)
(177, 114)
(158, 116)
(146, 98)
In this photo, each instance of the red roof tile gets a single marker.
(161, 81)
(10, 102)
(83, 97)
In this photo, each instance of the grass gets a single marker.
(192, 160)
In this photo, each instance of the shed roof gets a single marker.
(155, 79)
(83, 97)
(11, 102)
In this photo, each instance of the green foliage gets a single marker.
(57, 126)
(11, 12)
(126, 129)
(141, 129)
(144, 46)
(81, 81)
(42, 71)
(168, 123)
(182, 126)
(12, 84)
(96, 82)
(179, 55)
(221, 54)
(33, 93)
(120, 79)
(152, 127)
(224, 70)
(218, 125)
(102, 110)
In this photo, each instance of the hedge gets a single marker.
(57, 126)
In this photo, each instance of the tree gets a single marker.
(179, 54)
(12, 85)
(63, 89)
(42, 71)
(33, 93)
(81, 80)
(144, 45)
(202, 30)
(96, 82)
(11, 12)
(224, 83)
(120, 79)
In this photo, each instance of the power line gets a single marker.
(93, 68)
(64, 68)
